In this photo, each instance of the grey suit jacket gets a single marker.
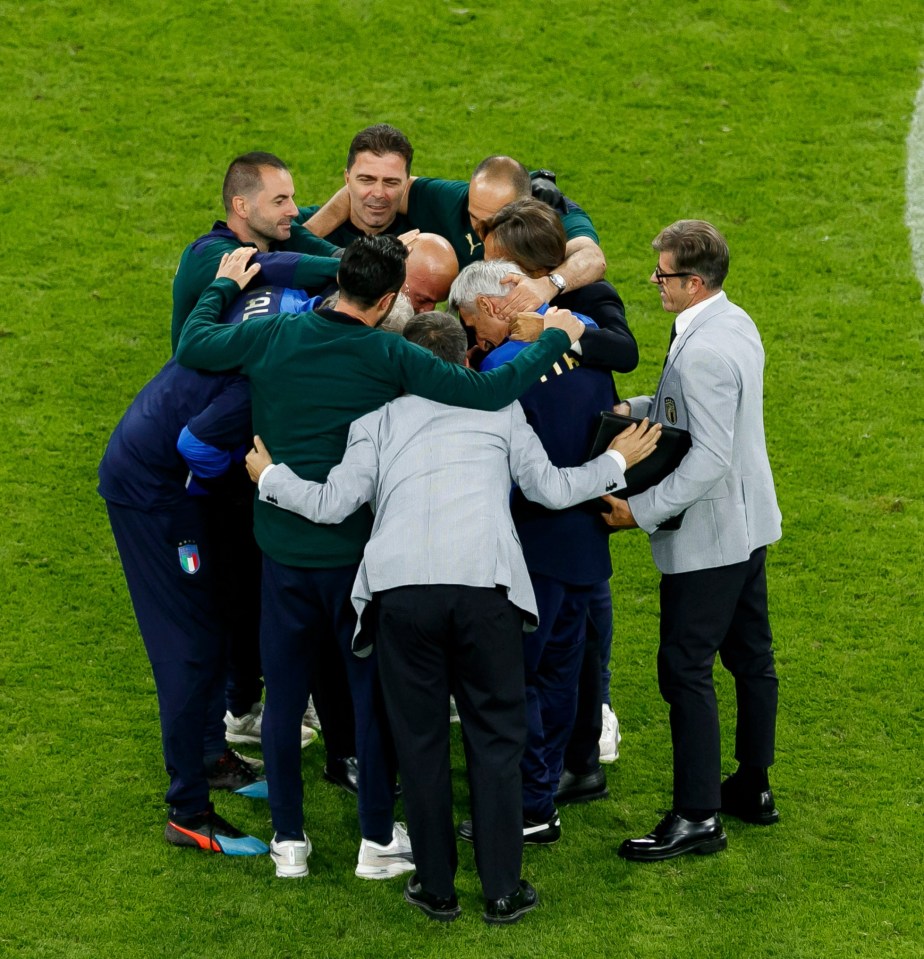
(438, 479)
(712, 385)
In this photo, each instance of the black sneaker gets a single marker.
(442, 910)
(512, 908)
(231, 772)
(210, 832)
(534, 833)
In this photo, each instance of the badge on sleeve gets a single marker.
(670, 410)
(189, 557)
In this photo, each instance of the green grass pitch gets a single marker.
(785, 123)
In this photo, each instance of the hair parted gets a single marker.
(244, 176)
(530, 233)
(440, 333)
(371, 267)
(697, 247)
(381, 139)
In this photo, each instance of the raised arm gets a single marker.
(422, 373)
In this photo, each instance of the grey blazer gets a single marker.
(712, 385)
(438, 478)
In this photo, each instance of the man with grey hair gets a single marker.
(444, 620)
(567, 552)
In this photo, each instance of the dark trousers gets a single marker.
(582, 754)
(552, 658)
(437, 640)
(307, 616)
(229, 519)
(721, 610)
(183, 627)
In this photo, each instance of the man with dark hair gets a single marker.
(456, 209)
(311, 375)
(713, 565)
(434, 332)
(173, 446)
(444, 620)
(376, 176)
(258, 198)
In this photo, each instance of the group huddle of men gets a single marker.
(425, 524)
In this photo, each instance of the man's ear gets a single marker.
(346, 177)
(387, 302)
(239, 206)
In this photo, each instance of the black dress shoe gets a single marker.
(674, 836)
(534, 833)
(574, 788)
(512, 908)
(753, 807)
(443, 910)
(343, 773)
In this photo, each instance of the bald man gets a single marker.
(431, 268)
(455, 210)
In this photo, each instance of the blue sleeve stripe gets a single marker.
(204, 460)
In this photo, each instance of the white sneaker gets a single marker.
(311, 716)
(291, 857)
(246, 728)
(249, 727)
(383, 862)
(609, 737)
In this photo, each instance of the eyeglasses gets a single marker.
(661, 277)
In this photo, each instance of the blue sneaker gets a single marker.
(209, 832)
(231, 772)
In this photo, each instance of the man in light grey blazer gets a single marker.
(714, 586)
(449, 594)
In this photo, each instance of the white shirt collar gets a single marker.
(687, 316)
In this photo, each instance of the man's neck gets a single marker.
(239, 229)
(367, 230)
(368, 317)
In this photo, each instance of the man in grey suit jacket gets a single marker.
(449, 594)
(713, 587)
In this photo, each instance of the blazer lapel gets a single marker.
(716, 307)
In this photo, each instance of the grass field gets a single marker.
(784, 123)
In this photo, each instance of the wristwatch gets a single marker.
(558, 281)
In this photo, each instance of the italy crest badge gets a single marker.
(189, 557)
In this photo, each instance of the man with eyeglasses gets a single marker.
(713, 586)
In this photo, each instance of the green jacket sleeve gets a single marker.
(207, 344)
(422, 373)
(302, 240)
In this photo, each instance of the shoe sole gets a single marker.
(700, 849)
(226, 845)
(529, 839)
(512, 918)
(563, 799)
(385, 872)
(289, 872)
(338, 782)
(440, 915)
